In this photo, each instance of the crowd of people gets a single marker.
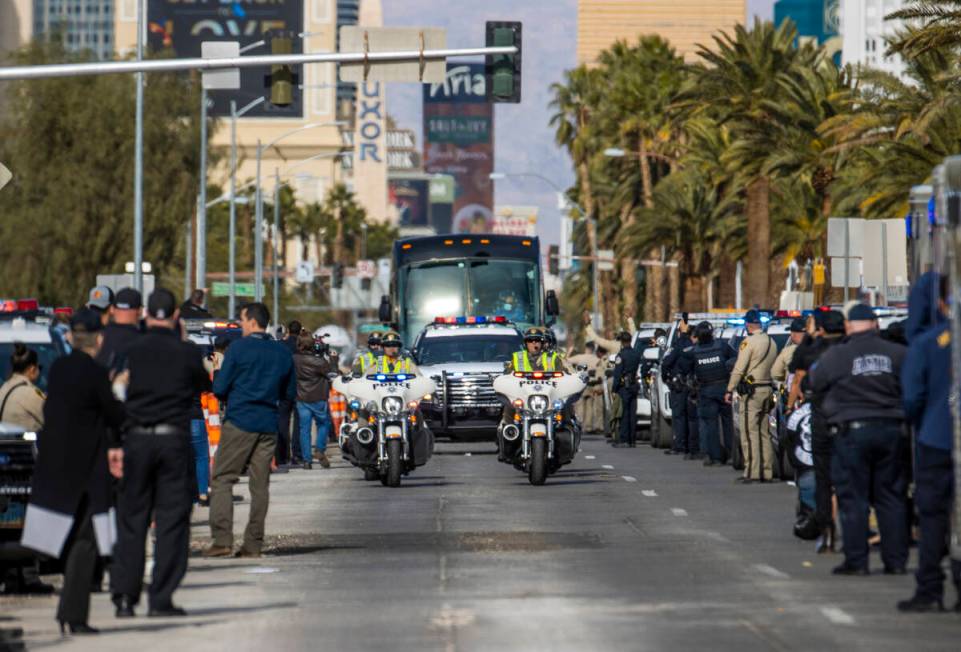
(124, 427)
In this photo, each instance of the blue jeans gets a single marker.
(198, 440)
(310, 413)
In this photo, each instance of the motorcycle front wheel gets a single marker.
(394, 462)
(538, 464)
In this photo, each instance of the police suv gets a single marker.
(463, 355)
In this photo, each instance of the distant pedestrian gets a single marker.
(926, 379)
(288, 439)
(313, 363)
(166, 375)
(257, 373)
(68, 516)
(858, 385)
(751, 379)
(194, 308)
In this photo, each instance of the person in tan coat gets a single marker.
(21, 401)
(779, 372)
(752, 372)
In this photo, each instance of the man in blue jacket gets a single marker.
(257, 373)
(926, 379)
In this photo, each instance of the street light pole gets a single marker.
(202, 205)
(276, 249)
(138, 161)
(232, 263)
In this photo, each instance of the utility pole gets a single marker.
(201, 281)
(276, 248)
(138, 160)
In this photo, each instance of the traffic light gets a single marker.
(554, 260)
(337, 276)
(281, 79)
(502, 72)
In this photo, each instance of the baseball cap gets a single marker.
(752, 317)
(86, 320)
(128, 299)
(100, 298)
(832, 321)
(861, 312)
(798, 325)
(161, 304)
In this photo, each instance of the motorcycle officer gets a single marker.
(534, 357)
(708, 360)
(368, 359)
(393, 361)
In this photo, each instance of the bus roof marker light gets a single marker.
(466, 241)
(406, 246)
(448, 242)
(526, 243)
(485, 241)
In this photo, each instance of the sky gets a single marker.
(523, 139)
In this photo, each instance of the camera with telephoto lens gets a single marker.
(321, 348)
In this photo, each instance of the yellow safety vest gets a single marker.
(367, 360)
(401, 366)
(522, 361)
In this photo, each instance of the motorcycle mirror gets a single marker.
(333, 375)
(653, 354)
(551, 305)
(580, 367)
(661, 341)
(384, 310)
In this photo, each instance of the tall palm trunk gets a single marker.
(587, 201)
(758, 241)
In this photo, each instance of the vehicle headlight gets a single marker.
(558, 405)
(371, 407)
(537, 403)
(30, 436)
(393, 404)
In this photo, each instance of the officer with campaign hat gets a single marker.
(751, 379)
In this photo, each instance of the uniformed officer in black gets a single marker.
(122, 331)
(165, 374)
(626, 386)
(709, 362)
(674, 368)
(857, 384)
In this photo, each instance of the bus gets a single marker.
(466, 275)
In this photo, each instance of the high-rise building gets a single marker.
(82, 25)
(865, 33)
(816, 20)
(685, 23)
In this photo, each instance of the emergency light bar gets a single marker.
(389, 378)
(465, 320)
(538, 375)
(19, 305)
(220, 324)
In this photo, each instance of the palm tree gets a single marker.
(741, 77)
(940, 30)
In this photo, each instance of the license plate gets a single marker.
(13, 516)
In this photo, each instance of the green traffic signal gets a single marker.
(503, 71)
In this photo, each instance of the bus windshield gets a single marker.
(469, 287)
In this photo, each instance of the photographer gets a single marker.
(313, 362)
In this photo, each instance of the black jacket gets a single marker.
(625, 369)
(312, 382)
(860, 378)
(117, 339)
(166, 374)
(72, 457)
(675, 364)
(709, 362)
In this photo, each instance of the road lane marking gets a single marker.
(629, 478)
(260, 570)
(771, 571)
(677, 511)
(590, 457)
(837, 615)
(650, 493)
(606, 466)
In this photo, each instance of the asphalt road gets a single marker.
(626, 549)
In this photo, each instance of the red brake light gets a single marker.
(558, 374)
(500, 319)
(538, 374)
(66, 310)
(28, 304)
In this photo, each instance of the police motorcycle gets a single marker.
(542, 435)
(384, 433)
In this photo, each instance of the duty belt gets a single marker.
(862, 424)
(159, 429)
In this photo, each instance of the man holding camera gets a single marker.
(313, 361)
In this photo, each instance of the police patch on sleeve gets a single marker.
(617, 360)
(944, 339)
(743, 345)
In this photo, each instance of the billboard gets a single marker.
(181, 26)
(515, 220)
(459, 141)
(411, 199)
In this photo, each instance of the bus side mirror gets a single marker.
(384, 312)
(551, 307)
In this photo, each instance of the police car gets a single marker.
(463, 355)
(34, 327)
(204, 332)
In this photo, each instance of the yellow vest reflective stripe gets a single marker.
(522, 361)
(366, 360)
(402, 365)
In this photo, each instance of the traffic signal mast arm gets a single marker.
(9, 73)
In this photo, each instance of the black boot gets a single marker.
(124, 605)
(825, 542)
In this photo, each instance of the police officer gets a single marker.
(534, 357)
(21, 401)
(779, 372)
(709, 362)
(675, 368)
(857, 383)
(751, 378)
(122, 331)
(368, 359)
(393, 361)
(625, 385)
(166, 374)
(924, 378)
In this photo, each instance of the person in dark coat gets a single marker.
(68, 515)
(193, 307)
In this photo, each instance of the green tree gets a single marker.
(68, 214)
(940, 27)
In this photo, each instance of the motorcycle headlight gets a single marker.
(558, 405)
(371, 407)
(393, 404)
(537, 403)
